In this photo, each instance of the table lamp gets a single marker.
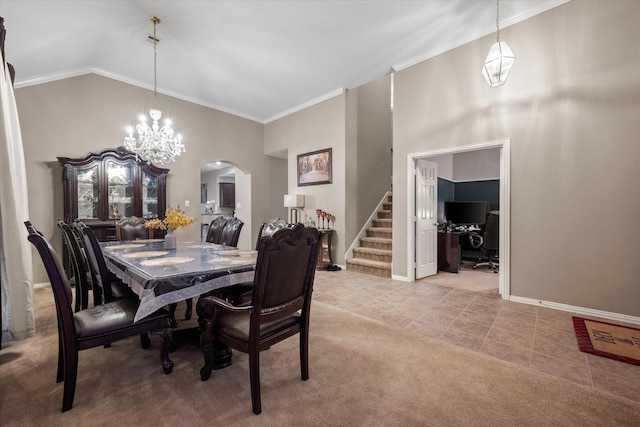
(293, 201)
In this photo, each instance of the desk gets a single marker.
(160, 277)
(449, 254)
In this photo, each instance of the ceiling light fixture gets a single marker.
(154, 144)
(500, 59)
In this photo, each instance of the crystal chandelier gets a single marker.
(154, 144)
(500, 59)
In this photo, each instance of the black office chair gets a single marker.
(490, 242)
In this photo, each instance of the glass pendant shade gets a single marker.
(498, 64)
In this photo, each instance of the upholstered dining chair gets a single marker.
(231, 232)
(78, 265)
(111, 288)
(94, 326)
(222, 232)
(215, 230)
(270, 227)
(241, 293)
(279, 308)
(132, 228)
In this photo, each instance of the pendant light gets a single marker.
(500, 59)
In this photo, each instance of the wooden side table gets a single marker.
(325, 256)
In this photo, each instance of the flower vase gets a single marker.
(170, 240)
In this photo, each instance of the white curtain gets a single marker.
(17, 282)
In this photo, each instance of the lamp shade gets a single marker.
(498, 64)
(294, 200)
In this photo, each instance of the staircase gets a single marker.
(374, 254)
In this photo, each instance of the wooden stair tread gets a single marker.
(376, 239)
(370, 263)
(375, 251)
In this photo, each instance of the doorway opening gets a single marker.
(505, 207)
(225, 190)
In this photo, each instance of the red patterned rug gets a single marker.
(608, 340)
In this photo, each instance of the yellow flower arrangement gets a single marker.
(173, 219)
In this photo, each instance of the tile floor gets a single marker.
(538, 338)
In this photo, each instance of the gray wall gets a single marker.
(74, 116)
(314, 128)
(372, 161)
(570, 108)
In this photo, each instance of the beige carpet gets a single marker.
(363, 373)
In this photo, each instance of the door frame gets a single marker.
(504, 285)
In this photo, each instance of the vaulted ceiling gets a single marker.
(256, 59)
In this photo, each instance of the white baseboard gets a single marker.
(578, 310)
(400, 278)
(41, 285)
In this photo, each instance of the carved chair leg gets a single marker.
(167, 364)
(172, 315)
(145, 341)
(254, 378)
(304, 355)
(206, 336)
(60, 373)
(70, 377)
(189, 311)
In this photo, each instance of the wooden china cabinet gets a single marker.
(103, 187)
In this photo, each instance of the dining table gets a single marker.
(162, 276)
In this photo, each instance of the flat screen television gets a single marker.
(465, 213)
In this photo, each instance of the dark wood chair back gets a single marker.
(100, 275)
(281, 299)
(215, 230)
(78, 266)
(231, 232)
(270, 227)
(132, 228)
(94, 326)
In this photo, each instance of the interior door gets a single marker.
(426, 218)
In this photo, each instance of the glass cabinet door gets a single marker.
(149, 196)
(120, 189)
(88, 193)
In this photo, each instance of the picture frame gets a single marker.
(315, 167)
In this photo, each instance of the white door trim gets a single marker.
(504, 286)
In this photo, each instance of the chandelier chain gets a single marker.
(497, 20)
(155, 21)
(155, 63)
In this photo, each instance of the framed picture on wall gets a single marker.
(314, 168)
